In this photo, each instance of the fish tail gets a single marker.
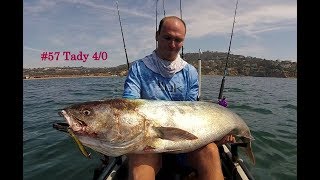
(250, 153)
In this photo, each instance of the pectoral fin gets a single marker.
(174, 134)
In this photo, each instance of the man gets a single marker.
(163, 75)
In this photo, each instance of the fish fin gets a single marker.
(248, 148)
(250, 153)
(174, 134)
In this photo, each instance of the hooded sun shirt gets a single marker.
(158, 79)
(166, 68)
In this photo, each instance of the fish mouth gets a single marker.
(75, 124)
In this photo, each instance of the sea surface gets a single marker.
(268, 105)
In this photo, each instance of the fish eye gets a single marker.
(86, 112)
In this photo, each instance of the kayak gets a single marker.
(232, 166)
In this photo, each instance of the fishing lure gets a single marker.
(81, 147)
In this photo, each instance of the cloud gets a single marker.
(32, 49)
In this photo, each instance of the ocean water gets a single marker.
(268, 105)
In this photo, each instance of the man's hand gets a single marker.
(227, 139)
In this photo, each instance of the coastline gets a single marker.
(73, 76)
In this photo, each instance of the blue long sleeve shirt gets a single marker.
(143, 83)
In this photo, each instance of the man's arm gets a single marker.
(132, 85)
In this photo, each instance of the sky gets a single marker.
(88, 33)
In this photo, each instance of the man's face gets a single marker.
(170, 39)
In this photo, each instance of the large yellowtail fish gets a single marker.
(116, 127)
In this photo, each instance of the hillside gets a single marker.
(212, 63)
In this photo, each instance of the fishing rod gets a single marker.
(181, 18)
(124, 44)
(164, 10)
(226, 65)
(199, 73)
(164, 14)
(156, 21)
